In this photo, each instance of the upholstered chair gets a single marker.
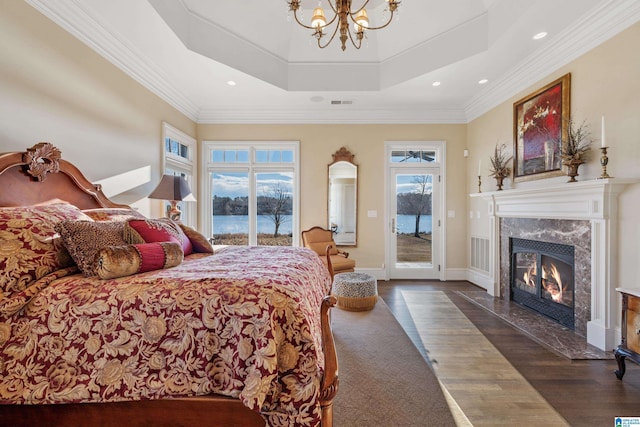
(321, 242)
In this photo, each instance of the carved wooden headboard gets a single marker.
(39, 175)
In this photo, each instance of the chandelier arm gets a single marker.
(335, 16)
(376, 28)
(334, 8)
(295, 15)
(357, 46)
(330, 40)
(357, 11)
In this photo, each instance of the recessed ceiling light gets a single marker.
(483, 81)
(540, 35)
(231, 83)
(435, 84)
(316, 99)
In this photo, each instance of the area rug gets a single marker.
(384, 380)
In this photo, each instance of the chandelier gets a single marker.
(343, 16)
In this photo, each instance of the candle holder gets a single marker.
(479, 184)
(604, 160)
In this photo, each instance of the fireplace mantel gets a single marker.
(595, 201)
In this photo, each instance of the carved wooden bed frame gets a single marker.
(39, 175)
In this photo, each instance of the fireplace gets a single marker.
(583, 215)
(542, 278)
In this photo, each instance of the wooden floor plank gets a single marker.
(583, 392)
(499, 394)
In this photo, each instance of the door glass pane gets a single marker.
(413, 220)
(274, 208)
(230, 208)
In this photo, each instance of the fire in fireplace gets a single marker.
(542, 278)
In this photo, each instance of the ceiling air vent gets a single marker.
(341, 102)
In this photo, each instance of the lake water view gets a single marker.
(407, 224)
(233, 224)
(238, 224)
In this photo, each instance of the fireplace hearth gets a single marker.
(542, 278)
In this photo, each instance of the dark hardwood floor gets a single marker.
(584, 392)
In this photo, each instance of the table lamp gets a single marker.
(174, 189)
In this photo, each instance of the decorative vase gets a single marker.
(573, 169)
(500, 175)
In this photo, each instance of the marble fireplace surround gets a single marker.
(576, 233)
(583, 214)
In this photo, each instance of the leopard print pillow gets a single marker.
(84, 239)
(113, 214)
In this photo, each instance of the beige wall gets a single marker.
(54, 88)
(318, 142)
(605, 81)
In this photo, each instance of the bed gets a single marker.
(237, 337)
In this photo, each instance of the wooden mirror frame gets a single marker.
(341, 159)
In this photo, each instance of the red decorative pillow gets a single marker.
(198, 241)
(120, 261)
(157, 230)
(30, 248)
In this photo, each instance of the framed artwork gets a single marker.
(540, 123)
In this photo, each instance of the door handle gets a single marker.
(393, 225)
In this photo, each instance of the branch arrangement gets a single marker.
(499, 161)
(577, 144)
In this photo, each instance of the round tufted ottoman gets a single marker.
(355, 291)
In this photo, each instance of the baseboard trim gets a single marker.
(476, 277)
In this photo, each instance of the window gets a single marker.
(254, 192)
(413, 156)
(180, 159)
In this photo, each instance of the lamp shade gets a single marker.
(173, 187)
(318, 19)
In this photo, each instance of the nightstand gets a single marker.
(630, 326)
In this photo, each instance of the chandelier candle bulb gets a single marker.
(318, 19)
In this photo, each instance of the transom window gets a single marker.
(180, 159)
(413, 156)
(176, 149)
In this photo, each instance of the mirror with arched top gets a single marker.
(343, 198)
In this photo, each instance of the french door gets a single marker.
(414, 210)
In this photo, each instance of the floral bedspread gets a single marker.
(243, 323)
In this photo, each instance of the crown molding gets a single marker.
(341, 115)
(596, 27)
(73, 17)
